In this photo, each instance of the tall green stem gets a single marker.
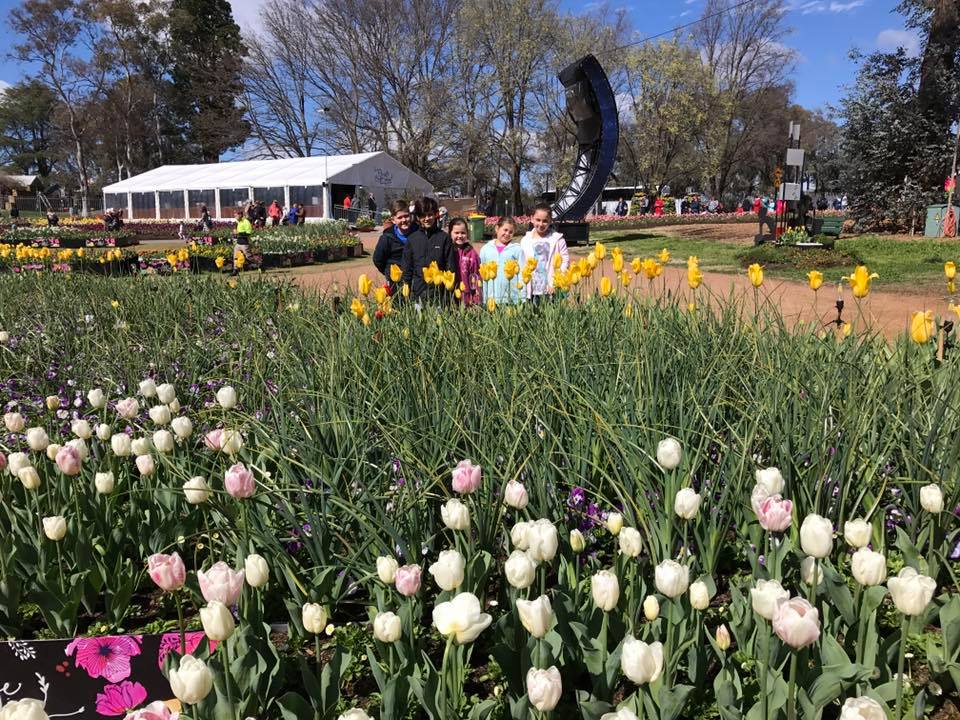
(668, 648)
(904, 628)
(792, 688)
(444, 686)
(183, 636)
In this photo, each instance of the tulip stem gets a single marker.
(668, 648)
(904, 627)
(183, 637)
(604, 625)
(316, 653)
(764, 631)
(443, 677)
(792, 688)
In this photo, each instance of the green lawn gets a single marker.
(916, 262)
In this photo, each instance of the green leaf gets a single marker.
(838, 592)
(294, 707)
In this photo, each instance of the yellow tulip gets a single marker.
(592, 259)
(606, 287)
(628, 310)
(395, 273)
(239, 260)
(358, 308)
(457, 293)
(950, 269)
(600, 250)
(755, 272)
(693, 261)
(617, 262)
(651, 268)
(80, 252)
(860, 281)
(114, 304)
(626, 278)
(510, 269)
(406, 290)
(557, 261)
(847, 329)
(694, 277)
(691, 307)
(921, 326)
(815, 279)
(449, 278)
(491, 304)
(365, 320)
(664, 256)
(380, 294)
(637, 265)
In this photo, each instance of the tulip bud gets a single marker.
(160, 414)
(4, 337)
(387, 627)
(182, 427)
(911, 591)
(807, 568)
(196, 490)
(104, 432)
(816, 536)
(217, 621)
(29, 477)
(174, 406)
(671, 578)
(669, 453)
(518, 535)
(455, 515)
(191, 681)
(448, 570)
(605, 589)
(723, 638)
(55, 527)
(544, 688)
(931, 499)
(577, 541)
(14, 422)
(542, 540)
(387, 569)
(771, 479)
(868, 568)
(407, 580)
(53, 402)
(520, 570)
(231, 441)
(104, 482)
(614, 523)
(686, 503)
(255, 570)
(52, 450)
(163, 441)
(121, 445)
(80, 446)
(355, 713)
(796, 622)
(536, 615)
(862, 708)
(167, 571)
(630, 543)
(37, 439)
(17, 461)
(314, 618)
(148, 388)
(141, 445)
(128, 408)
(699, 595)
(227, 397)
(146, 465)
(651, 608)
(166, 393)
(97, 399)
(640, 662)
(857, 532)
(515, 495)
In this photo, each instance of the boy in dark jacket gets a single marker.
(429, 245)
(390, 246)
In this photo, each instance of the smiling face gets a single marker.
(505, 233)
(541, 222)
(458, 233)
(403, 220)
(427, 220)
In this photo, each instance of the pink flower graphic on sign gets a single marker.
(106, 657)
(120, 699)
(171, 641)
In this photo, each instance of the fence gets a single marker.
(39, 204)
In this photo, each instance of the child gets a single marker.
(543, 245)
(427, 245)
(500, 250)
(389, 250)
(468, 263)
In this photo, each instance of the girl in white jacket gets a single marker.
(544, 246)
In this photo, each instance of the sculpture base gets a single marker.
(575, 232)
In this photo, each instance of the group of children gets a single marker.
(414, 250)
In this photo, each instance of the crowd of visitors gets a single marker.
(414, 246)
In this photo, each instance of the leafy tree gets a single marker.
(26, 119)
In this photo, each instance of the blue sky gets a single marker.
(823, 33)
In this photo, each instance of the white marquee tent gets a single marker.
(320, 184)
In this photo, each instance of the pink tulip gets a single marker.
(156, 710)
(214, 440)
(239, 481)
(466, 477)
(408, 580)
(775, 514)
(221, 583)
(68, 460)
(167, 571)
(796, 622)
(3, 462)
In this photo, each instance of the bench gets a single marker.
(828, 226)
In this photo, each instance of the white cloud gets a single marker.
(891, 39)
(246, 13)
(839, 7)
(4, 86)
(808, 7)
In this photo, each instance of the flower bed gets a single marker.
(66, 237)
(620, 537)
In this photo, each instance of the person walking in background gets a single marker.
(544, 245)
(501, 251)
(242, 246)
(292, 215)
(204, 223)
(301, 214)
(428, 247)
(390, 246)
(468, 263)
(275, 212)
(621, 209)
(658, 207)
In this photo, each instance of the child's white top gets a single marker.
(544, 249)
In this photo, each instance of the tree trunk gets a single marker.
(939, 61)
(81, 166)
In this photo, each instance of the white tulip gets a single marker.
(857, 532)
(4, 337)
(544, 688)
(614, 523)
(651, 607)
(669, 453)
(53, 402)
(52, 450)
(671, 578)
(148, 388)
(29, 477)
(217, 621)
(141, 445)
(455, 515)
(911, 591)
(387, 627)
(461, 618)
(807, 567)
(354, 714)
(174, 406)
(104, 482)
(630, 543)
(14, 422)
(17, 461)
(231, 441)
(28, 708)
(605, 588)
(520, 570)
(448, 570)
(699, 595)
(868, 568)
(191, 681)
(862, 708)
(314, 618)
(81, 428)
(543, 540)
(145, 465)
(256, 571)
(166, 393)
(515, 495)
(80, 446)
(621, 714)
(160, 414)
(387, 569)
(163, 441)
(518, 535)
(196, 490)
(182, 427)
(104, 432)
(37, 439)
(771, 479)
(686, 503)
(55, 527)
(121, 445)
(931, 499)
(536, 615)
(766, 596)
(97, 399)
(816, 536)
(577, 542)
(227, 397)
(640, 662)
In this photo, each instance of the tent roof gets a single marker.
(260, 173)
